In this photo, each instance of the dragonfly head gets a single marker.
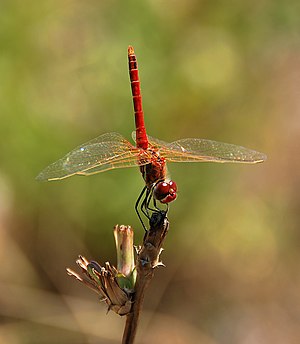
(164, 191)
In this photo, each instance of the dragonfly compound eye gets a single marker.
(165, 192)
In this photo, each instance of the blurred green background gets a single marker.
(227, 71)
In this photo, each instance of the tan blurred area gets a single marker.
(221, 71)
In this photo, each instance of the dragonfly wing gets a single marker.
(200, 150)
(103, 153)
(192, 150)
(197, 150)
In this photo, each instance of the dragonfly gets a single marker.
(111, 150)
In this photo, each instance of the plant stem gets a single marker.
(147, 260)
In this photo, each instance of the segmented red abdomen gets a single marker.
(141, 136)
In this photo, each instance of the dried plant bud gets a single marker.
(104, 281)
(115, 286)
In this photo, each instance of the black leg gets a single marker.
(144, 206)
(148, 200)
(157, 209)
(137, 206)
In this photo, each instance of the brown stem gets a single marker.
(147, 260)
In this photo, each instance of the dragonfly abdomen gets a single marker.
(141, 136)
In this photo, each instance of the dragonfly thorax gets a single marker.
(154, 171)
(165, 191)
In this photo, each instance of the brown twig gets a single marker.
(147, 259)
(120, 290)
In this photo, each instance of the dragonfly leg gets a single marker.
(148, 200)
(137, 207)
(157, 209)
(146, 203)
(144, 206)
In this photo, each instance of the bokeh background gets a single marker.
(227, 71)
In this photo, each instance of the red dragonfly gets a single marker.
(111, 150)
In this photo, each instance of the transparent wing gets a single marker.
(103, 153)
(199, 150)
